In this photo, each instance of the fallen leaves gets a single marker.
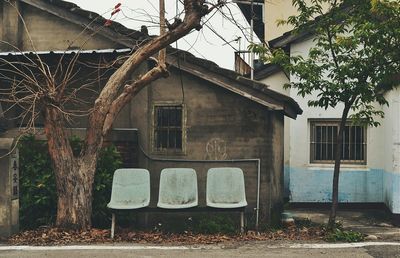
(56, 236)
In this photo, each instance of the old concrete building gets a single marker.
(201, 116)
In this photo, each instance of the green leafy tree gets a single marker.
(354, 61)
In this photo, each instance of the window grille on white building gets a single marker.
(323, 142)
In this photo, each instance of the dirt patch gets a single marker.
(56, 236)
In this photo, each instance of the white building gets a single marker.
(370, 171)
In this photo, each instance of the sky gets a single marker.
(205, 44)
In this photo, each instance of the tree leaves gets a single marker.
(355, 54)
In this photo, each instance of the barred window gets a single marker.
(168, 127)
(323, 143)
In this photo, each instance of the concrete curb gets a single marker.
(177, 248)
(343, 245)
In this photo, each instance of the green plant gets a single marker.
(339, 234)
(108, 162)
(215, 224)
(197, 223)
(38, 203)
(37, 185)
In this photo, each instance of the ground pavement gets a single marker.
(372, 223)
(254, 249)
(369, 222)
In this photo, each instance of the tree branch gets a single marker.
(130, 91)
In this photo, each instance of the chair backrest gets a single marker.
(130, 189)
(225, 188)
(178, 188)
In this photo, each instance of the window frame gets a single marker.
(335, 122)
(168, 151)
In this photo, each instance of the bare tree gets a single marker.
(47, 92)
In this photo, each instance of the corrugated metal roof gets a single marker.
(90, 51)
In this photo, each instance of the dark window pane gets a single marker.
(318, 133)
(179, 139)
(168, 127)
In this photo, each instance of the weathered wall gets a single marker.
(276, 82)
(391, 140)
(276, 175)
(9, 207)
(44, 31)
(247, 130)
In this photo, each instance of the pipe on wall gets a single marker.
(218, 161)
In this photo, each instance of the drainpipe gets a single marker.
(219, 161)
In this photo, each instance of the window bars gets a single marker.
(168, 128)
(323, 143)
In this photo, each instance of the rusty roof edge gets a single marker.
(74, 15)
(86, 51)
(274, 94)
(218, 82)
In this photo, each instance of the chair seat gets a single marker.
(178, 188)
(225, 188)
(177, 206)
(227, 205)
(130, 189)
(126, 205)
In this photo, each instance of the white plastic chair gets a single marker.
(130, 190)
(178, 188)
(226, 190)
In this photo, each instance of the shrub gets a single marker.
(215, 224)
(196, 223)
(38, 200)
(344, 236)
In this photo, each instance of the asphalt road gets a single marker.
(243, 250)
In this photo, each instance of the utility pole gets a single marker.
(252, 40)
(162, 54)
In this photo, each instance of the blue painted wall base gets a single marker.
(359, 186)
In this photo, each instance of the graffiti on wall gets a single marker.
(216, 149)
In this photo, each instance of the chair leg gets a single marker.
(112, 225)
(242, 222)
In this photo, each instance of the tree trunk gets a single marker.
(336, 171)
(74, 206)
(74, 176)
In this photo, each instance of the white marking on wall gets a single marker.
(216, 149)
